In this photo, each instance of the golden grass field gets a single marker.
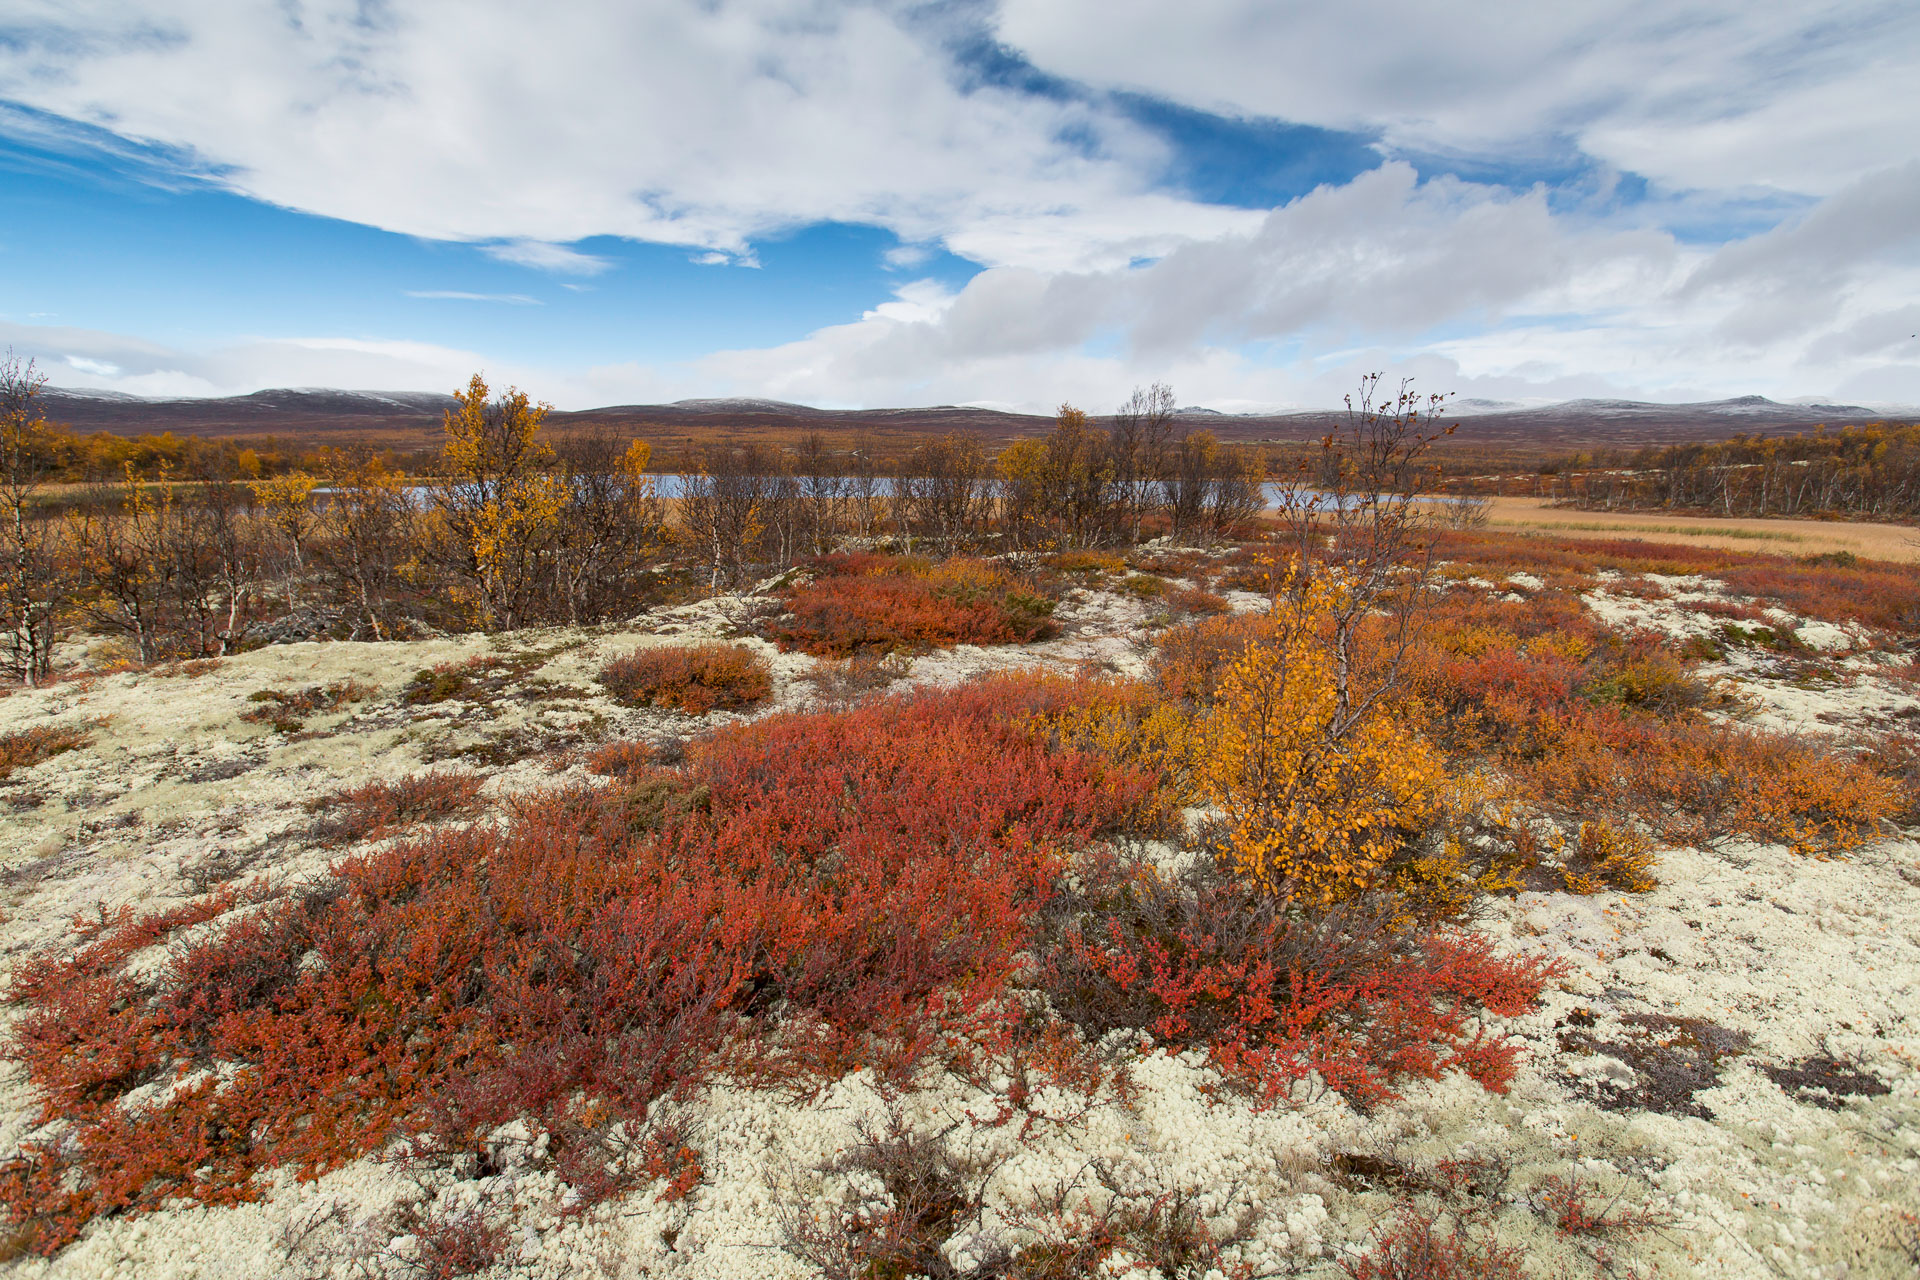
(1791, 537)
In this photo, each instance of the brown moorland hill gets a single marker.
(1488, 435)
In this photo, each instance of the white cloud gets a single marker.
(460, 295)
(1692, 93)
(101, 360)
(708, 123)
(1472, 288)
(682, 122)
(542, 256)
(904, 256)
(1802, 274)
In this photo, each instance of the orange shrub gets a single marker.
(621, 759)
(1087, 562)
(1896, 758)
(29, 747)
(1691, 779)
(1196, 602)
(693, 678)
(1189, 661)
(866, 603)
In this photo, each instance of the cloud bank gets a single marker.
(1675, 199)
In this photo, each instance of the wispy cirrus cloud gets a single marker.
(461, 295)
(543, 256)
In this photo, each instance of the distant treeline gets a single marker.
(63, 456)
(190, 548)
(1871, 471)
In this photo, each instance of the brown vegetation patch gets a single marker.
(1825, 1081)
(383, 808)
(33, 746)
(287, 712)
(1672, 1059)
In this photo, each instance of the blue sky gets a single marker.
(1008, 203)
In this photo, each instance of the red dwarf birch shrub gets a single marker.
(1348, 995)
(869, 875)
(695, 678)
(865, 603)
(803, 896)
(384, 808)
(1418, 1247)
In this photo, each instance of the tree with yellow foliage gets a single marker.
(1060, 491)
(1318, 803)
(288, 501)
(495, 510)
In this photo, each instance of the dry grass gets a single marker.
(1861, 538)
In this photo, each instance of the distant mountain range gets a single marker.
(309, 413)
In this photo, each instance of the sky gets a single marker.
(967, 202)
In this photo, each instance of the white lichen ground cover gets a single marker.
(1745, 961)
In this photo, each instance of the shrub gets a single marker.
(1895, 757)
(1196, 602)
(41, 743)
(481, 679)
(1416, 1247)
(927, 1194)
(1692, 779)
(1087, 563)
(571, 966)
(692, 678)
(1167, 1234)
(1603, 856)
(383, 808)
(621, 759)
(872, 604)
(287, 712)
(805, 895)
(445, 681)
(1574, 1206)
(1273, 995)
(1189, 661)
(863, 673)
(1877, 594)
(1587, 725)
(1318, 798)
